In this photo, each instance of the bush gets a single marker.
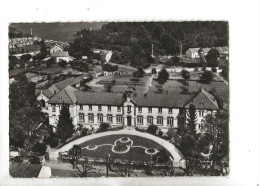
(152, 129)
(84, 132)
(206, 77)
(39, 147)
(103, 127)
(54, 142)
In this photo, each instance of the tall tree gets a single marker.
(218, 130)
(163, 76)
(207, 76)
(213, 58)
(65, 127)
(25, 116)
(139, 73)
(191, 120)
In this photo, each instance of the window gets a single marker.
(118, 109)
(110, 118)
(99, 108)
(100, 118)
(90, 107)
(170, 121)
(170, 110)
(159, 110)
(109, 108)
(128, 108)
(81, 117)
(201, 112)
(91, 118)
(139, 109)
(150, 110)
(54, 108)
(149, 120)
(139, 120)
(80, 107)
(159, 120)
(119, 119)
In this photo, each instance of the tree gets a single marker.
(50, 62)
(86, 167)
(12, 62)
(191, 120)
(218, 130)
(185, 74)
(65, 127)
(25, 58)
(152, 129)
(207, 76)
(62, 63)
(163, 76)
(139, 73)
(213, 58)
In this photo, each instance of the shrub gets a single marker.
(39, 147)
(152, 129)
(54, 142)
(103, 127)
(84, 132)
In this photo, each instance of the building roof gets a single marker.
(60, 54)
(68, 82)
(24, 170)
(29, 75)
(202, 100)
(98, 98)
(194, 49)
(176, 100)
(67, 96)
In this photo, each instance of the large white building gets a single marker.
(130, 109)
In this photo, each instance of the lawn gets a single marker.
(106, 143)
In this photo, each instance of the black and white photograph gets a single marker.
(119, 99)
(126, 99)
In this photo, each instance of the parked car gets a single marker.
(16, 159)
(35, 160)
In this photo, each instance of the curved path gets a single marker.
(176, 154)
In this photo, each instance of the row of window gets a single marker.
(150, 109)
(119, 119)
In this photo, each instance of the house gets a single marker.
(23, 170)
(96, 71)
(106, 54)
(46, 94)
(130, 109)
(58, 53)
(192, 53)
(196, 52)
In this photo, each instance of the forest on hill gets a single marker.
(130, 40)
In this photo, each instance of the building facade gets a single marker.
(130, 109)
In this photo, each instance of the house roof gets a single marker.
(30, 75)
(98, 98)
(202, 100)
(68, 82)
(67, 96)
(194, 49)
(60, 54)
(24, 170)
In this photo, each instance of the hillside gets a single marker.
(55, 31)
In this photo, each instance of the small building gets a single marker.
(58, 53)
(192, 53)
